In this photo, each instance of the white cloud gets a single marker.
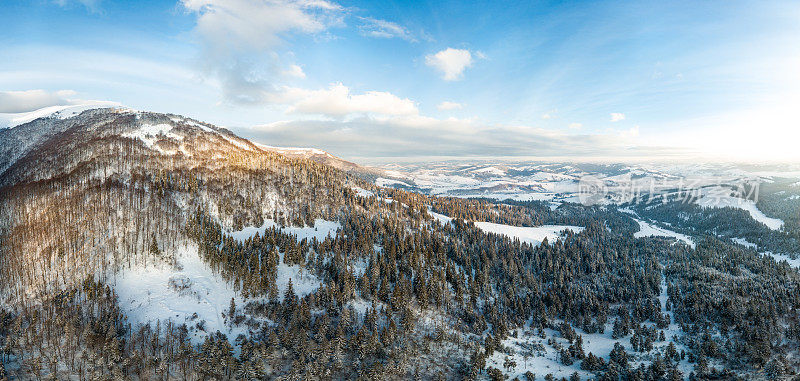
(29, 100)
(617, 116)
(575, 126)
(448, 105)
(239, 39)
(419, 136)
(295, 71)
(244, 25)
(550, 114)
(451, 62)
(384, 29)
(337, 101)
(633, 132)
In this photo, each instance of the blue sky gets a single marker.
(372, 80)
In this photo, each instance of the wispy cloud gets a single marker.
(239, 40)
(617, 116)
(416, 135)
(378, 28)
(450, 62)
(29, 100)
(91, 5)
(448, 105)
(294, 71)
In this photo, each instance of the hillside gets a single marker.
(138, 245)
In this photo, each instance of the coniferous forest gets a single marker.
(404, 286)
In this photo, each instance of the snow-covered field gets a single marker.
(720, 197)
(533, 235)
(384, 182)
(440, 217)
(793, 262)
(320, 230)
(361, 192)
(648, 230)
(160, 292)
(783, 257)
(744, 242)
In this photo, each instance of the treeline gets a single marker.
(729, 222)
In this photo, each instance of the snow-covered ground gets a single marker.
(793, 262)
(150, 133)
(384, 182)
(61, 112)
(303, 283)
(648, 230)
(361, 192)
(533, 235)
(160, 293)
(720, 197)
(320, 230)
(783, 257)
(532, 353)
(743, 242)
(440, 217)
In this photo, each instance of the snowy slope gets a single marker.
(648, 230)
(61, 112)
(720, 197)
(161, 293)
(793, 262)
(533, 235)
(320, 230)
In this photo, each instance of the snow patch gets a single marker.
(303, 282)
(743, 242)
(533, 235)
(783, 257)
(384, 182)
(648, 230)
(793, 262)
(720, 197)
(320, 230)
(440, 217)
(361, 192)
(149, 134)
(159, 293)
(61, 112)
